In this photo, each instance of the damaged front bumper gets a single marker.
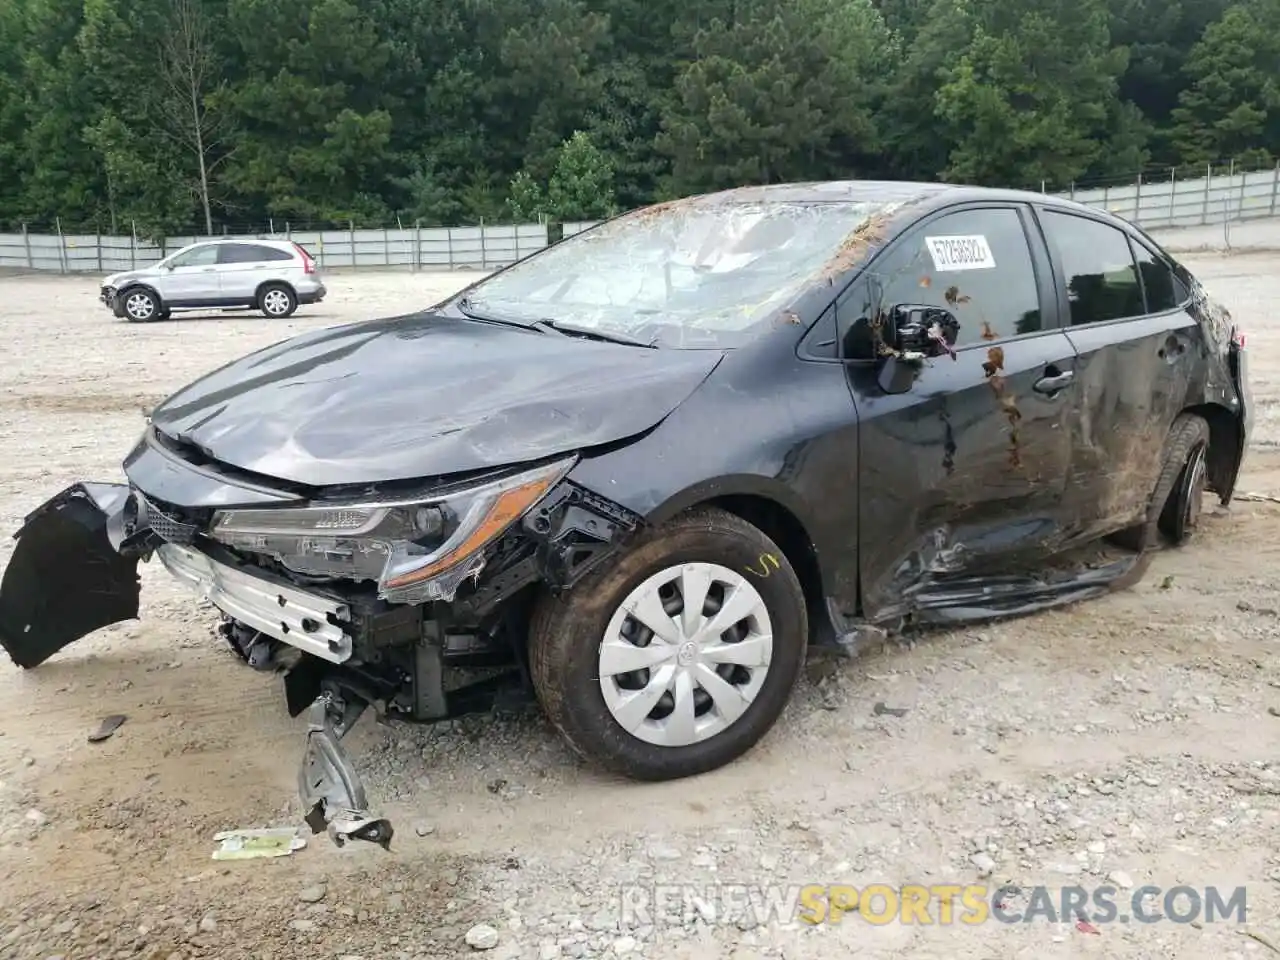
(75, 570)
(341, 644)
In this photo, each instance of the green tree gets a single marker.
(314, 131)
(184, 113)
(1232, 105)
(526, 200)
(581, 187)
(146, 191)
(776, 93)
(1020, 106)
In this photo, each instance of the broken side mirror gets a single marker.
(914, 333)
(897, 376)
(920, 331)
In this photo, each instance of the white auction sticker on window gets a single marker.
(960, 253)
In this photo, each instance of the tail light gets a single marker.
(1237, 337)
(308, 264)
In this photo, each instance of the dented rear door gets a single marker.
(65, 578)
(965, 472)
(1142, 359)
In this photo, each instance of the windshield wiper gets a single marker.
(573, 330)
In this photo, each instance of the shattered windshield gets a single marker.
(695, 273)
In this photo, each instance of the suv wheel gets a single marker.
(141, 306)
(679, 657)
(277, 301)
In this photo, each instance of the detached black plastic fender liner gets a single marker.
(67, 577)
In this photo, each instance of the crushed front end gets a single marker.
(361, 598)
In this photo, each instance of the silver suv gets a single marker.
(273, 276)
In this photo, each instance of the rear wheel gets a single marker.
(1173, 511)
(679, 657)
(277, 301)
(141, 306)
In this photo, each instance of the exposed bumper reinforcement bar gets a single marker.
(293, 617)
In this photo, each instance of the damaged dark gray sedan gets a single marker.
(639, 473)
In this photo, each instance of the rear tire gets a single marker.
(733, 675)
(141, 306)
(277, 301)
(1176, 501)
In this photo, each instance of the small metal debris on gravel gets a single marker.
(107, 727)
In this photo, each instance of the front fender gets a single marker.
(734, 485)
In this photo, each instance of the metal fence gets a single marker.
(419, 248)
(1217, 198)
(1214, 198)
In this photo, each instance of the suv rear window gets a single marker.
(250, 253)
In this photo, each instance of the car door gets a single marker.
(191, 278)
(964, 471)
(1138, 349)
(241, 268)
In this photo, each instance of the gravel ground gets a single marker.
(1130, 740)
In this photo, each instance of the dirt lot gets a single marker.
(1133, 737)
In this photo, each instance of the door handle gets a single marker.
(209, 270)
(1054, 383)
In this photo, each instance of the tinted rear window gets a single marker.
(250, 253)
(1101, 279)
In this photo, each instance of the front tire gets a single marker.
(141, 306)
(277, 301)
(640, 683)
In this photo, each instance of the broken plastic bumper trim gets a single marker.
(294, 617)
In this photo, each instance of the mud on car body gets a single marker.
(639, 473)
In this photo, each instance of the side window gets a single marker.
(974, 263)
(237, 253)
(271, 253)
(1102, 281)
(1158, 281)
(199, 257)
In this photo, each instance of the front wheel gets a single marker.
(679, 657)
(141, 306)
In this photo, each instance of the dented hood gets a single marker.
(425, 395)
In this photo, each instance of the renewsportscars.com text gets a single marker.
(929, 905)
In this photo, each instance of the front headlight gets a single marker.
(415, 550)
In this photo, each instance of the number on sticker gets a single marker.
(960, 253)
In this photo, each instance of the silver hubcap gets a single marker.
(139, 306)
(276, 301)
(685, 654)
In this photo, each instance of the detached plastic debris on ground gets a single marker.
(254, 844)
